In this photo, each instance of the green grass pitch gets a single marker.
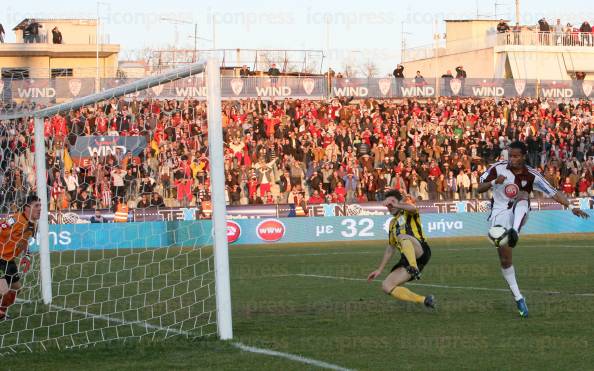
(314, 301)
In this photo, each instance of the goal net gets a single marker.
(127, 256)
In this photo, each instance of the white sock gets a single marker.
(510, 276)
(520, 211)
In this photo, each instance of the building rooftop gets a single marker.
(477, 20)
(88, 50)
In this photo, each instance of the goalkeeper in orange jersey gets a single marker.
(14, 240)
(406, 235)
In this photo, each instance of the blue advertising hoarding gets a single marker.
(292, 230)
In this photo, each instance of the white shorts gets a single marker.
(505, 218)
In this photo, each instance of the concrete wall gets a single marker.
(477, 63)
(472, 29)
(86, 67)
(40, 66)
(134, 71)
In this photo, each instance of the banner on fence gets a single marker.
(48, 91)
(292, 230)
(233, 87)
(86, 148)
(153, 214)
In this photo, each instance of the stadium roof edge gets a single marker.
(476, 20)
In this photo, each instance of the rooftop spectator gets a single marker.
(502, 26)
(399, 72)
(273, 70)
(244, 71)
(56, 35)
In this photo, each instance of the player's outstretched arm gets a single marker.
(560, 198)
(388, 253)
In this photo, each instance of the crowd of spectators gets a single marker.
(289, 151)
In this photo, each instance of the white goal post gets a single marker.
(221, 250)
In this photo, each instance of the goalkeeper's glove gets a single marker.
(25, 263)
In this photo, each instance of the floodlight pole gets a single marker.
(97, 52)
(517, 12)
(195, 42)
(217, 176)
(436, 66)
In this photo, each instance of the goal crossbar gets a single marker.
(145, 83)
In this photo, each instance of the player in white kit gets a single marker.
(511, 183)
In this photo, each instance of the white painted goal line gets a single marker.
(433, 285)
(291, 357)
(272, 255)
(240, 346)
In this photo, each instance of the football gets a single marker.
(498, 235)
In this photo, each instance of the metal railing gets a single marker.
(287, 61)
(524, 37)
(552, 38)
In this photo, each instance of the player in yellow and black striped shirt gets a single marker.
(406, 235)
